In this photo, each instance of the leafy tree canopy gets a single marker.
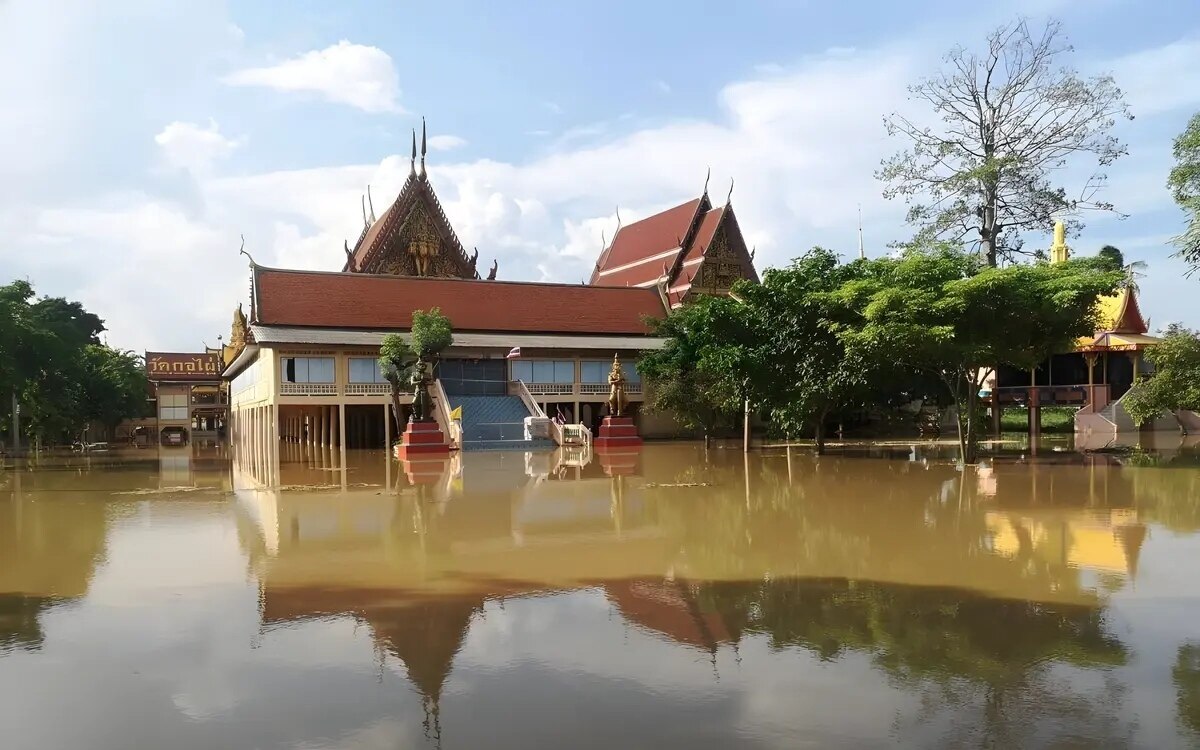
(1175, 383)
(1184, 182)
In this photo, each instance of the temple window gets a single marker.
(173, 406)
(365, 370)
(596, 371)
(544, 371)
(306, 369)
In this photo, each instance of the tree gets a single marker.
(703, 373)
(934, 310)
(112, 385)
(1184, 182)
(1009, 120)
(1175, 383)
(395, 362)
(431, 333)
(811, 373)
(1113, 258)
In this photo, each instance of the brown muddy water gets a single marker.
(672, 599)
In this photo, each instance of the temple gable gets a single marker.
(413, 237)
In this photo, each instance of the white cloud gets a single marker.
(553, 107)
(446, 142)
(802, 150)
(662, 86)
(186, 145)
(353, 74)
(1161, 78)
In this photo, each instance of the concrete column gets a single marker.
(387, 428)
(342, 435)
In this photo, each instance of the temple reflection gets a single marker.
(935, 572)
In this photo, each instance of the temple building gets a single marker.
(1096, 374)
(306, 364)
(689, 249)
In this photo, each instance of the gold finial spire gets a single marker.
(1059, 252)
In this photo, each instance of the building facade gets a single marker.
(305, 366)
(190, 398)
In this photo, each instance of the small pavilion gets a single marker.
(1095, 374)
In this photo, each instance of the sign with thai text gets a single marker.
(182, 366)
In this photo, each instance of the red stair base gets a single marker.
(422, 439)
(617, 433)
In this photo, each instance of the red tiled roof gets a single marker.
(368, 240)
(365, 301)
(647, 238)
(1129, 318)
(642, 273)
(704, 235)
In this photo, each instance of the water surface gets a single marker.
(676, 598)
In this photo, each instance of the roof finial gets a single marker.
(422, 146)
(366, 223)
(707, 175)
(412, 160)
(730, 196)
(618, 222)
(603, 242)
(242, 250)
(371, 203)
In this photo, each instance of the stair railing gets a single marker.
(556, 431)
(452, 427)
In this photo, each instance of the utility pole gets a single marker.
(861, 252)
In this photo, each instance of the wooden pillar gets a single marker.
(1135, 357)
(1090, 358)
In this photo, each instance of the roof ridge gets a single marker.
(455, 279)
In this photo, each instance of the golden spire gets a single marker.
(1059, 252)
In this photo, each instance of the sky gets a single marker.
(141, 140)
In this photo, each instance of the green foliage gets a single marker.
(64, 378)
(1175, 383)
(1009, 117)
(1184, 182)
(809, 373)
(431, 333)
(702, 373)
(935, 310)
(395, 358)
(1113, 258)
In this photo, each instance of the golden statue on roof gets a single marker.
(424, 245)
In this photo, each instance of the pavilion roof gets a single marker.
(381, 302)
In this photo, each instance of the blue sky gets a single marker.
(139, 139)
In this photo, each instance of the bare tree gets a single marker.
(1010, 119)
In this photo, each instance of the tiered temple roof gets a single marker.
(690, 248)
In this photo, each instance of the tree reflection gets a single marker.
(1186, 675)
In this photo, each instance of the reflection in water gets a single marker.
(683, 597)
(1187, 685)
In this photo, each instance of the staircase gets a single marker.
(495, 423)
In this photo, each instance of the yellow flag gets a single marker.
(456, 413)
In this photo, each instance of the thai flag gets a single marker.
(514, 353)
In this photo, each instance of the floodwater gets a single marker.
(675, 598)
